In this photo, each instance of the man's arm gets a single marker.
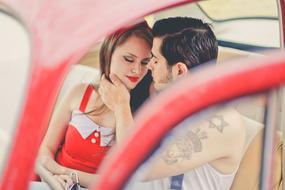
(218, 141)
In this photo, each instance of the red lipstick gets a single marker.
(133, 79)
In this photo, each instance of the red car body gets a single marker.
(61, 33)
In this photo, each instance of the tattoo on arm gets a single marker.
(218, 122)
(183, 147)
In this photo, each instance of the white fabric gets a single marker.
(252, 128)
(204, 177)
(160, 184)
(36, 185)
(85, 126)
(207, 178)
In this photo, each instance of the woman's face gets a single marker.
(129, 61)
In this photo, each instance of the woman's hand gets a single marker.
(57, 176)
(64, 180)
(52, 166)
(117, 97)
(114, 95)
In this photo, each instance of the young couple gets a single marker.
(91, 118)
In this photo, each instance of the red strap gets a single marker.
(85, 98)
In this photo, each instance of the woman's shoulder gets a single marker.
(78, 91)
(82, 87)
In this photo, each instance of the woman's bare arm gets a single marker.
(55, 134)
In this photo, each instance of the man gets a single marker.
(207, 154)
(179, 45)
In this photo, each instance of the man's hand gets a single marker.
(114, 95)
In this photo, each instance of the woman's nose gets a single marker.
(137, 68)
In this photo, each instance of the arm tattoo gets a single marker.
(218, 122)
(183, 147)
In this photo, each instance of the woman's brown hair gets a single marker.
(140, 30)
(140, 93)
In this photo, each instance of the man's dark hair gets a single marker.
(185, 39)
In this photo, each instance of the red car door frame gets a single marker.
(56, 45)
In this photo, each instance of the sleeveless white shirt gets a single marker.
(204, 177)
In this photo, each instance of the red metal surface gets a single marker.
(61, 32)
(223, 82)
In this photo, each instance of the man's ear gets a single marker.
(180, 69)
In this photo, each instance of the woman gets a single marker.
(82, 129)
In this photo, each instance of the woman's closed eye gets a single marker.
(129, 59)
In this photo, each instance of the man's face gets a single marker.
(161, 72)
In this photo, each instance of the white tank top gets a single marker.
(204, 177)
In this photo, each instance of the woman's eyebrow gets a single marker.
(132, 54)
